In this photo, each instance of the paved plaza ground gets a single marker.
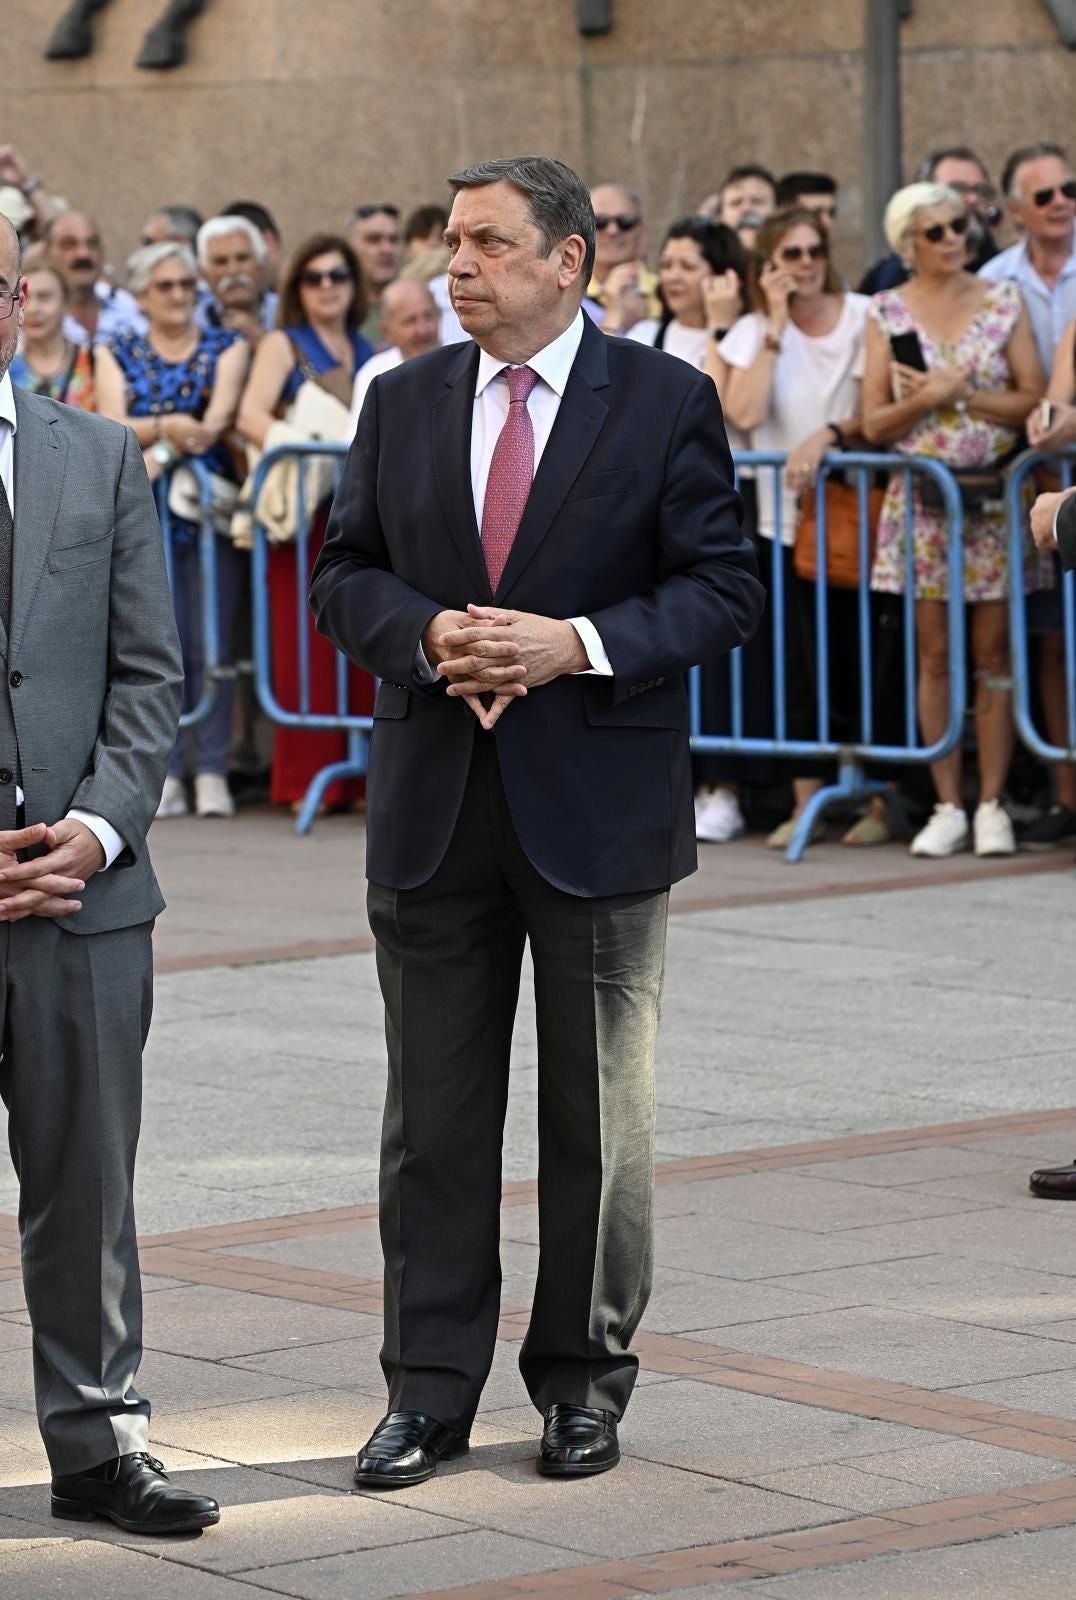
(859, 1362)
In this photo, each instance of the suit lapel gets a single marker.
(579, 421)
(40, 452)
(453, 411)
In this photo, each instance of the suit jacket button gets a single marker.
(6, 774)
(15, 679)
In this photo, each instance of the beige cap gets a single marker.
(15, 206)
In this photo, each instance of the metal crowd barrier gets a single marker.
(355, 726)
(1061, 464)
(852, 781)
(208, 591)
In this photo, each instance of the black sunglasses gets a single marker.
(1042, 197)
(625, 221)
(360, 213)
(796, 252)
(937, 231)
(311, 279)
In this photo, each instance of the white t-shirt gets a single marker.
(691, 345)
(815, 381)
(365, 376)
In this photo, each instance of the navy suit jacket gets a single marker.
(632, 521)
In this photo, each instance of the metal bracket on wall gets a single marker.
(594, 16)
(72, 37)
(164, 46)
(1063, 13)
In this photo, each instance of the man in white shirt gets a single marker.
(411, 323)
(97, 310)
(535, 535)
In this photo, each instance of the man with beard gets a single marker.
(98, 311)
(88, 716)
(232, 259)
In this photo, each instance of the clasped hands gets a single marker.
(46, 886)
(488, 650)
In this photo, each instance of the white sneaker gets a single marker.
(945, 834)
(718, 817)
(993, 830)
(173, 799)
(212, 796)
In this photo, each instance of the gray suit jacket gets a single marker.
(1066, 532)
(92, 674)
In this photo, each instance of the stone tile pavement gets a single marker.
(859, 1364)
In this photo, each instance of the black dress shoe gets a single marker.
(1054, 1183)
(577, 1441)
(405, 1448)
(133, 1492)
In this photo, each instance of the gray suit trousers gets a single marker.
(74, 1015)
(449, 956)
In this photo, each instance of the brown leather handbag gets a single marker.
(842, 534)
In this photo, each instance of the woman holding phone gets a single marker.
(794, 365)
(951, 372)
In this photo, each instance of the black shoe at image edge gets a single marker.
(404, 1449)
(577, 1442)
(1054, 1183)
(133, 1492)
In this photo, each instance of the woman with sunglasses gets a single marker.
(794, 368)
(963, 399)
(178, 387)
(319, 340)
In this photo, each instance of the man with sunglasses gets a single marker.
(376, 239)
(622, 283)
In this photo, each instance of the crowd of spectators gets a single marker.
(218, 340)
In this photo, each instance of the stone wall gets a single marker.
(313, 105)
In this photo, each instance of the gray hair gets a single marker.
(902, 212)
(220, 227)
(143, 263)
(559, 200)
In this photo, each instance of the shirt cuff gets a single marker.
(600, 665)
(424, 673)
(111, 842)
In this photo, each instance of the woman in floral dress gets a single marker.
(967, 408)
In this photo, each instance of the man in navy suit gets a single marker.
(535, 536)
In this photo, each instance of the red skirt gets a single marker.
(300, 753)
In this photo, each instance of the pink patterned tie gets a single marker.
(511, 471)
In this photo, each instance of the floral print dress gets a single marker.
(961, 441)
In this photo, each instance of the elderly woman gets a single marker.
(794, 366)
(963, 399)
(48, 362)
(178, 386)
(318, 341)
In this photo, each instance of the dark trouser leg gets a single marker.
(77, 1015)
(213, 735)
(448, 959)
(599, 966)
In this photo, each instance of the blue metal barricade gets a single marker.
(852, 780)
(207, 585)
(342, 718)
(1061, 464)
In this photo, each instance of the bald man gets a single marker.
(410, 321)
(97, 310)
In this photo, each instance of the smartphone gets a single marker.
(1046, 415)
(907, 350)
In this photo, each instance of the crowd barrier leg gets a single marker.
(852, 784)
(354, 766)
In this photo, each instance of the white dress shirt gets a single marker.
(111, 842)
(371, 369)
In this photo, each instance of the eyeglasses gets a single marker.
(957, 226)
(829, 209)
(979, 191)
(312, 279)
(1042, 197)
(166, 285)
(797, 252)
(8, 297)
(360, 213)
(625, 221)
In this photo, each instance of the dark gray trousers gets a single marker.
(74, 1015)
(449, 955)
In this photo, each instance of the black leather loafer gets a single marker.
(577, 1441)
(1054, 1183)
(133, 1492)
(404, 1449)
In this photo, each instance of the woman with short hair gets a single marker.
(178, 386)
(962, 399)
(48, 362)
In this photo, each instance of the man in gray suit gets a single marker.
(89, 701)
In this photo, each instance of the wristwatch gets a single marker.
(164, 453)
